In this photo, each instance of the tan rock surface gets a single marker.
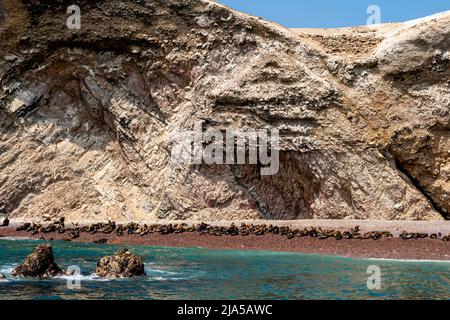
(123, 264)
(87, 116)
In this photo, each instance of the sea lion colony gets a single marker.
(204, 228)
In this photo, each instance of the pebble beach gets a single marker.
(356, 239)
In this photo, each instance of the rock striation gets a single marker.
(87, 117)
(123, 264)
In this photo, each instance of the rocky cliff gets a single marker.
(87, 115)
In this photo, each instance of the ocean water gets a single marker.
(197, 273)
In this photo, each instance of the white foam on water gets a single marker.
(7, 269)
(167, 279)
(18, 238)
(91, 277)
(408, 260)
(162, 272)
(155, 274)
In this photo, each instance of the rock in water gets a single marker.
(123, 264)
(39, 264)
(2, 276)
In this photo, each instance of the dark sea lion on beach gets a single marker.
(23, 227)
(50, 228)
(74, 234)
(413, 235)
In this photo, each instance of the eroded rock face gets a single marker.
(2, 15)
(87, 116)
(4, 221)
(39, 264)
(123, 264)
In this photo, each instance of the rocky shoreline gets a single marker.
(244, 229)
(355, 242)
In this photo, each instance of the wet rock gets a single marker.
(123, 264)
(39, 264)
(2, 276)
(101, 241)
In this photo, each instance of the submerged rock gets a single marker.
(123, 264)
(2, 276)
(39, 264)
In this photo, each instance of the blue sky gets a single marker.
(335, 13)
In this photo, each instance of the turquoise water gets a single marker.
(196, 273)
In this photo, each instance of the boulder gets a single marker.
(2, 276)
(123, 264)
(39, 264)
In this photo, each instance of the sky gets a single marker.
(336, 13)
